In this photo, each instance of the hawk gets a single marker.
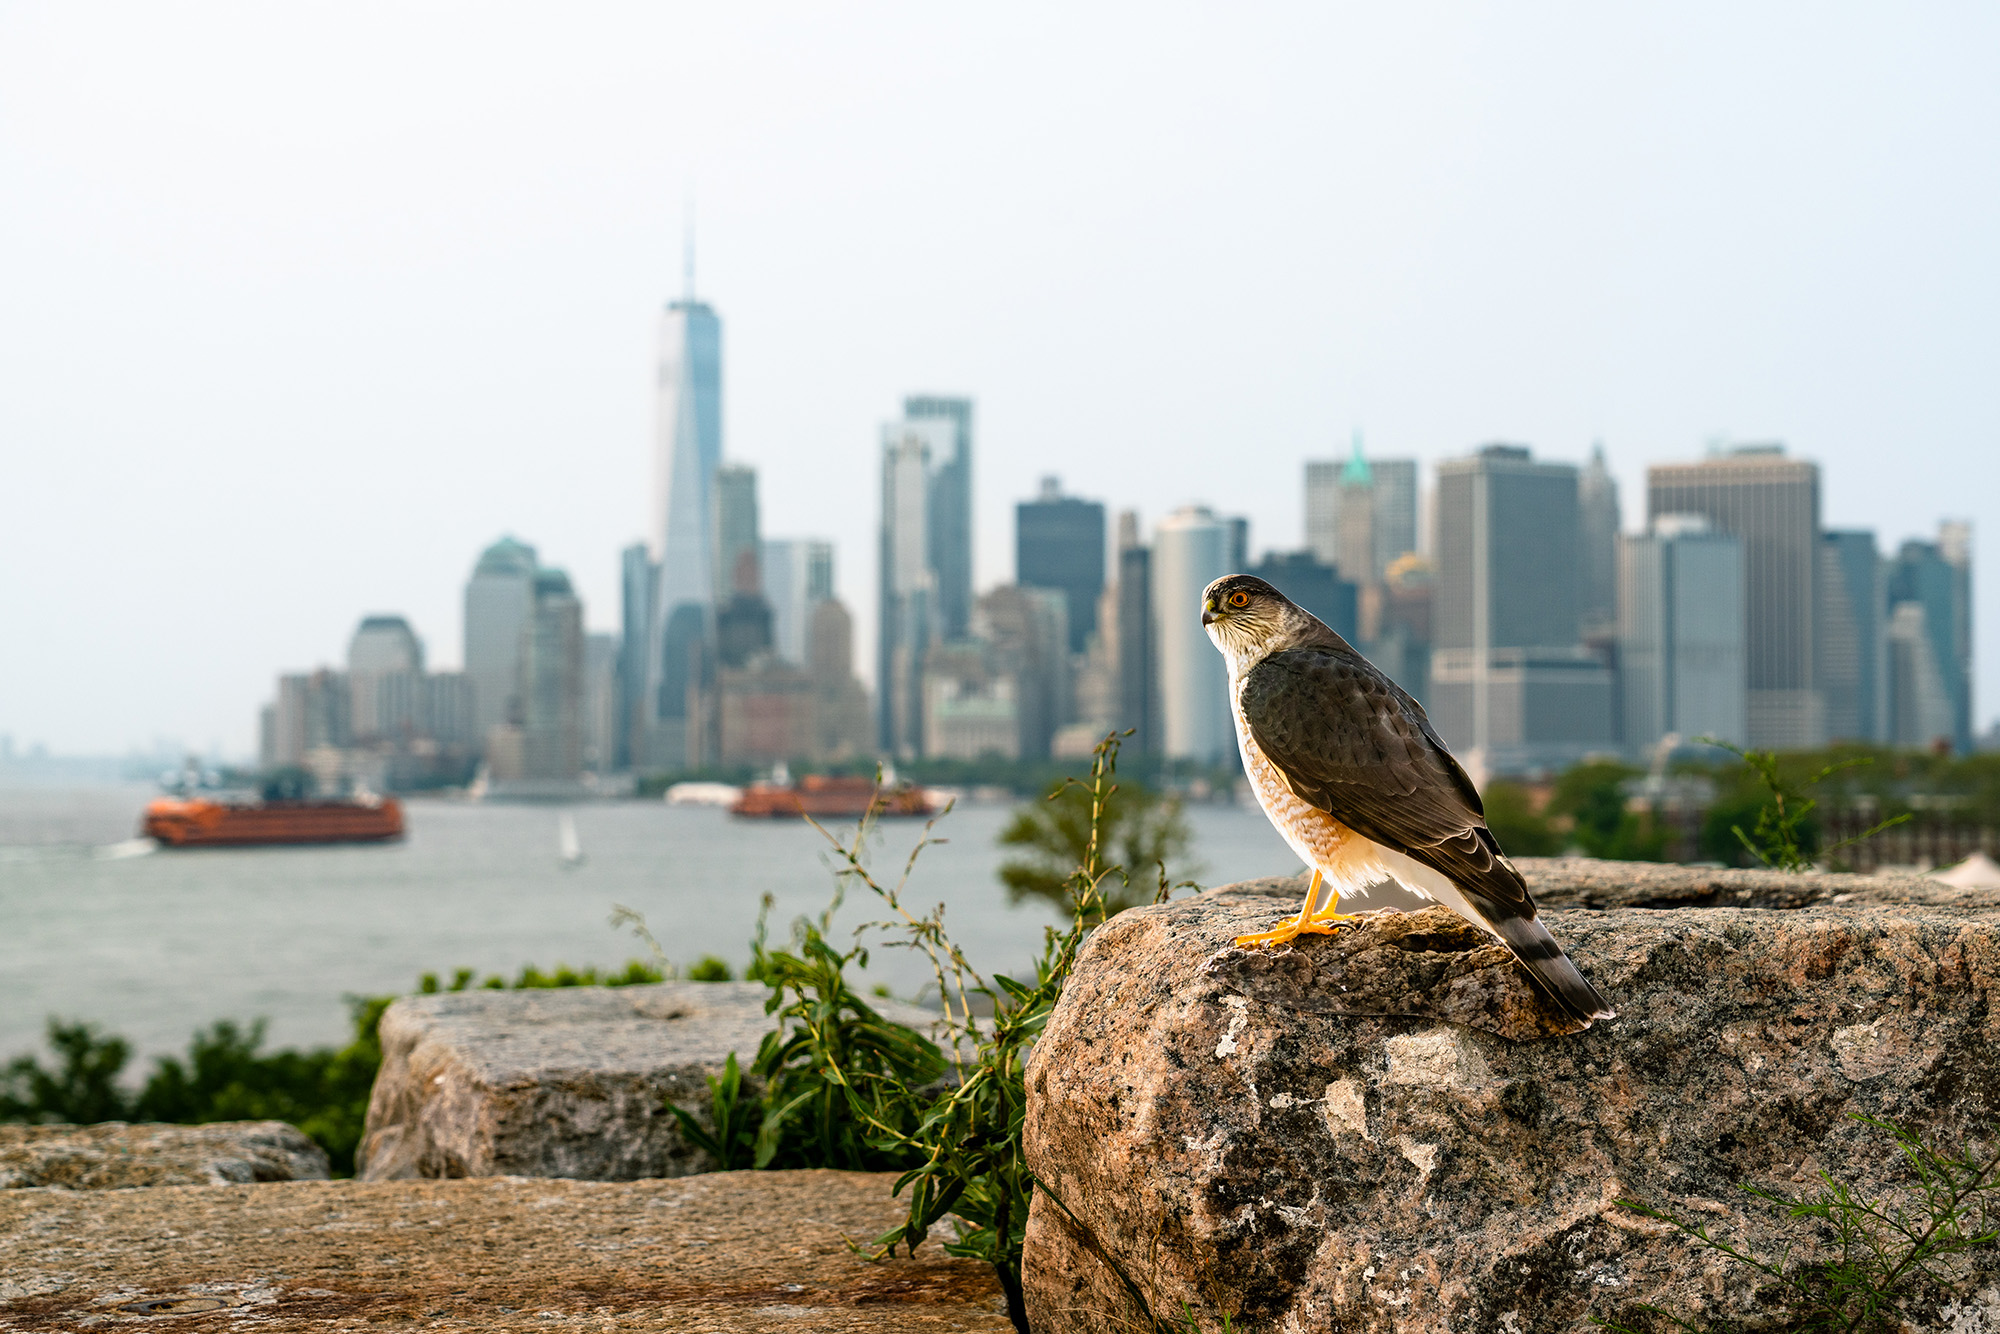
(1352, 776)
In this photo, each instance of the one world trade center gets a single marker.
(687, 449)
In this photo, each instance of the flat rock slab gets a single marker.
(737, 1251)
(113, 1155)
(1382, 1131)
(563, 1082)
(1582, 882)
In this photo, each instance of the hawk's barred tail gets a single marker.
(1546, 963)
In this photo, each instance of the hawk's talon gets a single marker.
(1307, 922)
(1326, 924)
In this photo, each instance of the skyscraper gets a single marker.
(1025, 635)
(1936, 577)
(600, 701)
(1507, 530)
(1511, 685)
(687, 451)
(909, 584)
(384, 644)
(1597, 545)
(1920, 712)
(949, 509)
(385, 665)
(1315, 586)
(1395, 518)
(1681, 633)
(552, 683)
(1323, 510)
(1361, 514)
(1853, 613)
(1355, 543)
(499, 598)
(797, 575)
(1059, 544)
(1136, 696)
(736, 532)
(1771, 503)
(636, 580)
(1190, 551)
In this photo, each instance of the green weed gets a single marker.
(1850, 1264)
(1785, 833)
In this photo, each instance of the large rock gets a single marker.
(563, 1082)
(1382, 1131)
(1583, 882)
(728, 1253)
(113, 1155)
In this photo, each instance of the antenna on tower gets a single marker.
(687, 252)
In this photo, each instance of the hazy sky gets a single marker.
(301, 305)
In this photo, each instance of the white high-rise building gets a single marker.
(1681, 633)
(797, 576)
(385, 665)
(1190, 551)
(909, 583)
(687, 451)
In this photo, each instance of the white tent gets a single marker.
(1978, 871)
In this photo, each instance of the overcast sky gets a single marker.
(301, 305)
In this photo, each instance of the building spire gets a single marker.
(687, 253)
(1357, 472)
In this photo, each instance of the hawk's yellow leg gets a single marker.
(1307, 922)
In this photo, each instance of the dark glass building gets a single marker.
(1316, 586)
(948, 518)
(1059, 544)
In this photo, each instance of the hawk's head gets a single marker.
(1247, 618)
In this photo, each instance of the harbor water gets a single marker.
(96, 925)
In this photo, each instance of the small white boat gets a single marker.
(703, 794)
(569, 848)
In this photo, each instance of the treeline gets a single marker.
(1692, 812)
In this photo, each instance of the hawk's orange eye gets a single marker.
(1239, 599)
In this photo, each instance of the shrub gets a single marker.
(1136, 832)
(1849, 1263)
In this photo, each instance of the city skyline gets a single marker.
(426, 321)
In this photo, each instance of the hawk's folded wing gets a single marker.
(1348, 740)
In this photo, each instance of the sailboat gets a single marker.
(569, 848)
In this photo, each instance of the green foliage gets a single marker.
(966, 1138)
(708, 968)
(1520, 828)
(844, 1087)
(323, 1092)
(532, 978)
(840, 1081)
(1592, 797)
(83, 1087)
(1851, 1264)
(1137, 832)
(1786, 834)
(733, 1143)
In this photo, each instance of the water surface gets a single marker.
(152, 945)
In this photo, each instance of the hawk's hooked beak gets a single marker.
(1210, 613)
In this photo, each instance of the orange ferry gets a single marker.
(823, 797)
(199, 823)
